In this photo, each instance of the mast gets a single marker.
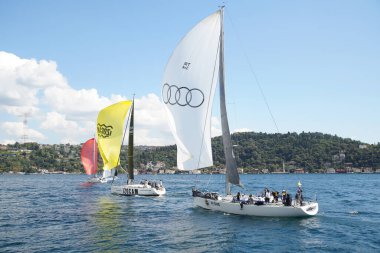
(232, 176)
(130, 145)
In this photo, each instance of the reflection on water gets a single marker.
(87, 184)
(108, 223)
(308, 229)
(310, 222)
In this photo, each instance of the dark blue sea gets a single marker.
(61, 213)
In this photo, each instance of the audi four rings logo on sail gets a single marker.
(182, 96)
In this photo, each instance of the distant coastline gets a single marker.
(255, 153)
(181, 173)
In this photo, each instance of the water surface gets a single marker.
(61, 213)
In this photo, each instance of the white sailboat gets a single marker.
(143, 188)
(188, 89)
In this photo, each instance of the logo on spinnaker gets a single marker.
(104, 131)
(182, 96)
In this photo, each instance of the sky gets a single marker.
(291, 66)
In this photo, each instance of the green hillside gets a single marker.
(314, 152)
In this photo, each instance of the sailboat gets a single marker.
(89, 158)
(110, 134)
(188, 88)
(111, 129)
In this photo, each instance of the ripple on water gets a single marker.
(58, 213)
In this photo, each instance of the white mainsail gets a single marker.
(188, 90)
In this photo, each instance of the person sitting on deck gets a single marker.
(250, 199)
(275, 196)
(288, 201)
(238, 196)
(283, 196)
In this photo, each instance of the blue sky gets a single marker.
(317, 62)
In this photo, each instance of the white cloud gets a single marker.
(77, 103)
(22, 79)
(56, 121)
(36, 89)
(216, 129)
(65, 114)
(21, 110)
(151, 127)
(242, 130)
(68, 130)
(18, 130)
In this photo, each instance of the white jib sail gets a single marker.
(188, 90)
(108, 173)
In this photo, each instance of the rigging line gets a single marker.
(213, 154)
(208, 181)
(122, 169)
(253, 73)
(208, 104)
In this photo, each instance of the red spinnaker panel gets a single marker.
(89, 156)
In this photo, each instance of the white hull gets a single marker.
(267, 210)
(137, 189)
(101, 179)
(107, 179)
(94, 180)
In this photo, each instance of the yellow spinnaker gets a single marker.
(110, 130)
